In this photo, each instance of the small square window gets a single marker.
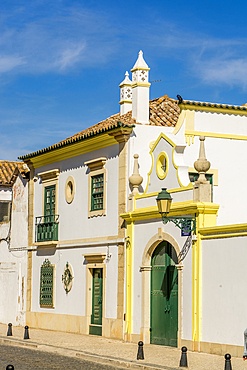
(4, 211)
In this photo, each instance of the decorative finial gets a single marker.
(202, 165)
(135, 179)
(140, 63)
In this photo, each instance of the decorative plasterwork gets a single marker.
(70, 189)
(67, 277)
(121, 135)
(49, 175)
(95, 257)
(96, 164)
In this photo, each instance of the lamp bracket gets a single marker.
(186, 224)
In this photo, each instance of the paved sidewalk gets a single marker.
(114, 352)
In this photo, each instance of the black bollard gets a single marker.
(183, 360)
(26, 334)
(228, 365)
(9, 332)
(140, 353)
(10, 367)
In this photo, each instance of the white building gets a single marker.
(13, 241)
(132, 276)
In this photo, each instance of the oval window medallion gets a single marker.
(162, 165)
(69, 189)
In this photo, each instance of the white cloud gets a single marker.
(71, 56)
(55, 41)
(7, 63)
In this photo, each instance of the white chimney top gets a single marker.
(140, 90)
(140, 63)
(126, 81)
(125, 95)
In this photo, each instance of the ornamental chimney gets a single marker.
(125, 95)
(140, 90)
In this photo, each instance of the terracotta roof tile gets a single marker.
(164, 111)
(9, 171)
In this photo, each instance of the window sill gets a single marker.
(50, 243)
(99, 212)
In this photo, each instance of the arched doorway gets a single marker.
(164, 295)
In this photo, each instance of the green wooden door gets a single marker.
(164, 296)
(97, 301)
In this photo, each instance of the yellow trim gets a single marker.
(224, 231)
(77, 148)
(125, 101)
(160, 164)
(139, 69)
(155, 193)
(143, 84)
(210, 211)
(230, 235)
(144, 195)
(211, 171)
(212, 109)
(205, 217)
(215, 135)
(129, 277)
(180, 122)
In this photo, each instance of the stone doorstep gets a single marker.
(107, 360)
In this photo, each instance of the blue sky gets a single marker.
(61, 61)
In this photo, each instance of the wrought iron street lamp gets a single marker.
(187, 224)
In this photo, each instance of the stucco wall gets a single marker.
(13, 256)
(224, 302)
(74, 303)
(73, 218)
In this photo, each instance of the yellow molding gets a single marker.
(77, 148)
(139, 69)
(213, 109)
(145, 194)
(215, 135)
(143, 84)
(125, 101)
(220, 236)
(179, 208)
(129, 277)
(223, 229)
(180, 122)
(211, 171)
(155, 193)
(159, 165)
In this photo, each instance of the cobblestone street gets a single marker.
(27, 359)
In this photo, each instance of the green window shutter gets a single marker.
(50, 202)
(97, 192)
(46, 284)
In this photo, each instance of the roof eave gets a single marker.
(73, 140)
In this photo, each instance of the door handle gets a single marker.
(99, 300)
(168, 308)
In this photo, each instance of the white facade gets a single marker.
(13, 261)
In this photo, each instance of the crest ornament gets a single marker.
(67, 278)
